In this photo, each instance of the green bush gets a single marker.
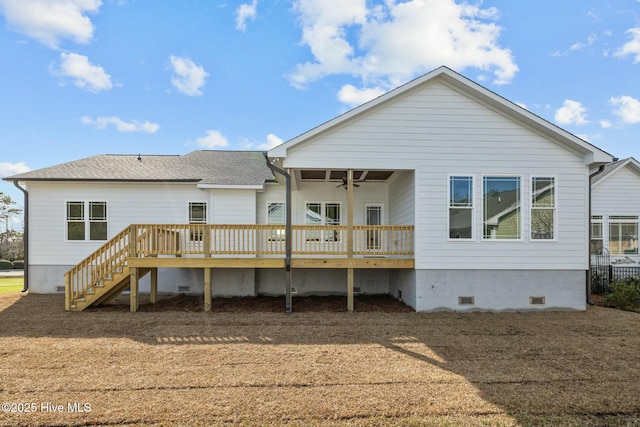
(18, 265)
(624, 294)
(6, 265)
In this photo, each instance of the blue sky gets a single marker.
(86, 77)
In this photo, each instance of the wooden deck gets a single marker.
(143, 248)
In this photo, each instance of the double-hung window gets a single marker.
(322, 213)
(197, 215)
(86, 221)
(623, 234)
(276, 214)
(501, 211)
(461, 207)
(543, 208)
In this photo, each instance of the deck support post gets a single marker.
(350, 238)
(133, 289)
(207, 289)
(67, 293)
(153, 286)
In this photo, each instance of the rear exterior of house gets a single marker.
(439, 193)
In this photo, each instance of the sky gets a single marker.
(85, 77)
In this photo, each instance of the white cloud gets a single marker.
(270, 142)
(244, 12)
(571, 113)
(353, 96)
(605, 124)
(188, 77)
(9, 169)
(632, 47)
(84, 74)
(121, 125)
(581, 45)
(49, 21)
(628, 108)
(387, 44)
(214, 139)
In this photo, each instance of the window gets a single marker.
(276, 214)
(460, 207)
(596, 233)
(501, 208)
(80, 225)
(623, 235)
(197, 215)
(543, 208)
(322, 213)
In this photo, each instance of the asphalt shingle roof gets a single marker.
(202, 166)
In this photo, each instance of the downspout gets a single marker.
(588, 288)
(287, 235)
(25, 236)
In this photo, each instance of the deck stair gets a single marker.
(103, 275)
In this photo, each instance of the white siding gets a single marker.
(233, 207)
(438, 131)
(401, 199)
(127, 204)
(617, 194)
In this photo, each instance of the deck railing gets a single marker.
(263, 240)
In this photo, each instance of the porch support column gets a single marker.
(207, 289)
(153, 286)
(350, 238)
(133, 289)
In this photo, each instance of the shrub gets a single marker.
(18, 265)
(6, 265)
(624, 294)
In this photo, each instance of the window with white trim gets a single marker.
(543, 208)
(596, 233)
(197, 215)
(277, 214)
(460, 207)
(623, 234)
(86, 221)
(322, 213)
(501, 212)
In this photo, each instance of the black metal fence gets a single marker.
(602, 276)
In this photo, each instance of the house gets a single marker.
(440, 193)
(615, 210)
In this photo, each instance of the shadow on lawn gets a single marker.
(538, 367)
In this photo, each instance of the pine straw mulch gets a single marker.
(261, 303)
(183, 367)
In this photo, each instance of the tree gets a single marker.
(11, 242)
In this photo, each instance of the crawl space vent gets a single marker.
(294, 290)
(536, 300)
(466, 300)
(357, 289)
(60, 289)
(184, 289)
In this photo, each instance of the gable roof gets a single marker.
(445, 75)
(207, 168)
(612, 168)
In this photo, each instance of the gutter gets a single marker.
(588, 287)
(25, 236)
(287, 236)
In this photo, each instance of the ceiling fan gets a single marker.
(344, 183)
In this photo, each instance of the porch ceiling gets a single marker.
(340, 175)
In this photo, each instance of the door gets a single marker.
(373, 216)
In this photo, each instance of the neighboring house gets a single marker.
(615, 210)
(440, 193)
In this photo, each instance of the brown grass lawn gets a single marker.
(317, 368)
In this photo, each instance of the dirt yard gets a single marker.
(252, 365)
